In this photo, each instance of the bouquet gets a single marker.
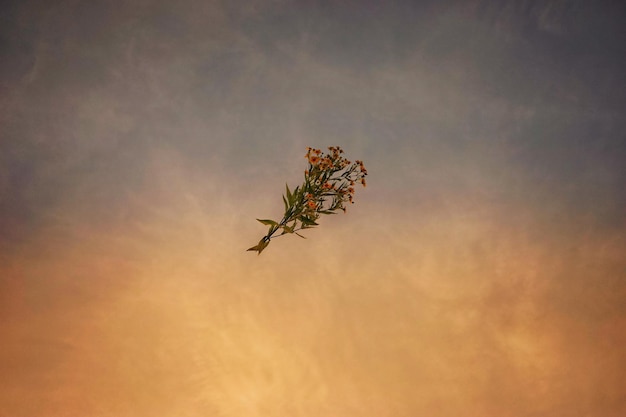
(328, 185)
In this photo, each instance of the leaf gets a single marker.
(300, 235)
(259, 248)
(268, 222)
(294, 196)
(289, 197)
(286, 205)
(307, 222)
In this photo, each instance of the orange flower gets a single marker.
(311, 204)
(363, 182)
(314, 160)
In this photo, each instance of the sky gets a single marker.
(481, 272)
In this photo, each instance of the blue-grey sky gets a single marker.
(480, 273)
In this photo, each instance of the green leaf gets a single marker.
(268, 222)
(286, 205)
(259, 248)
(294, 196)
(289, 197)
(307, 222)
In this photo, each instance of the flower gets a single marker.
(326, 163)
(328, 184)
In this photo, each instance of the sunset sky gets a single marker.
(481, 272)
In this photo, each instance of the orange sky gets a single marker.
(461, 312)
